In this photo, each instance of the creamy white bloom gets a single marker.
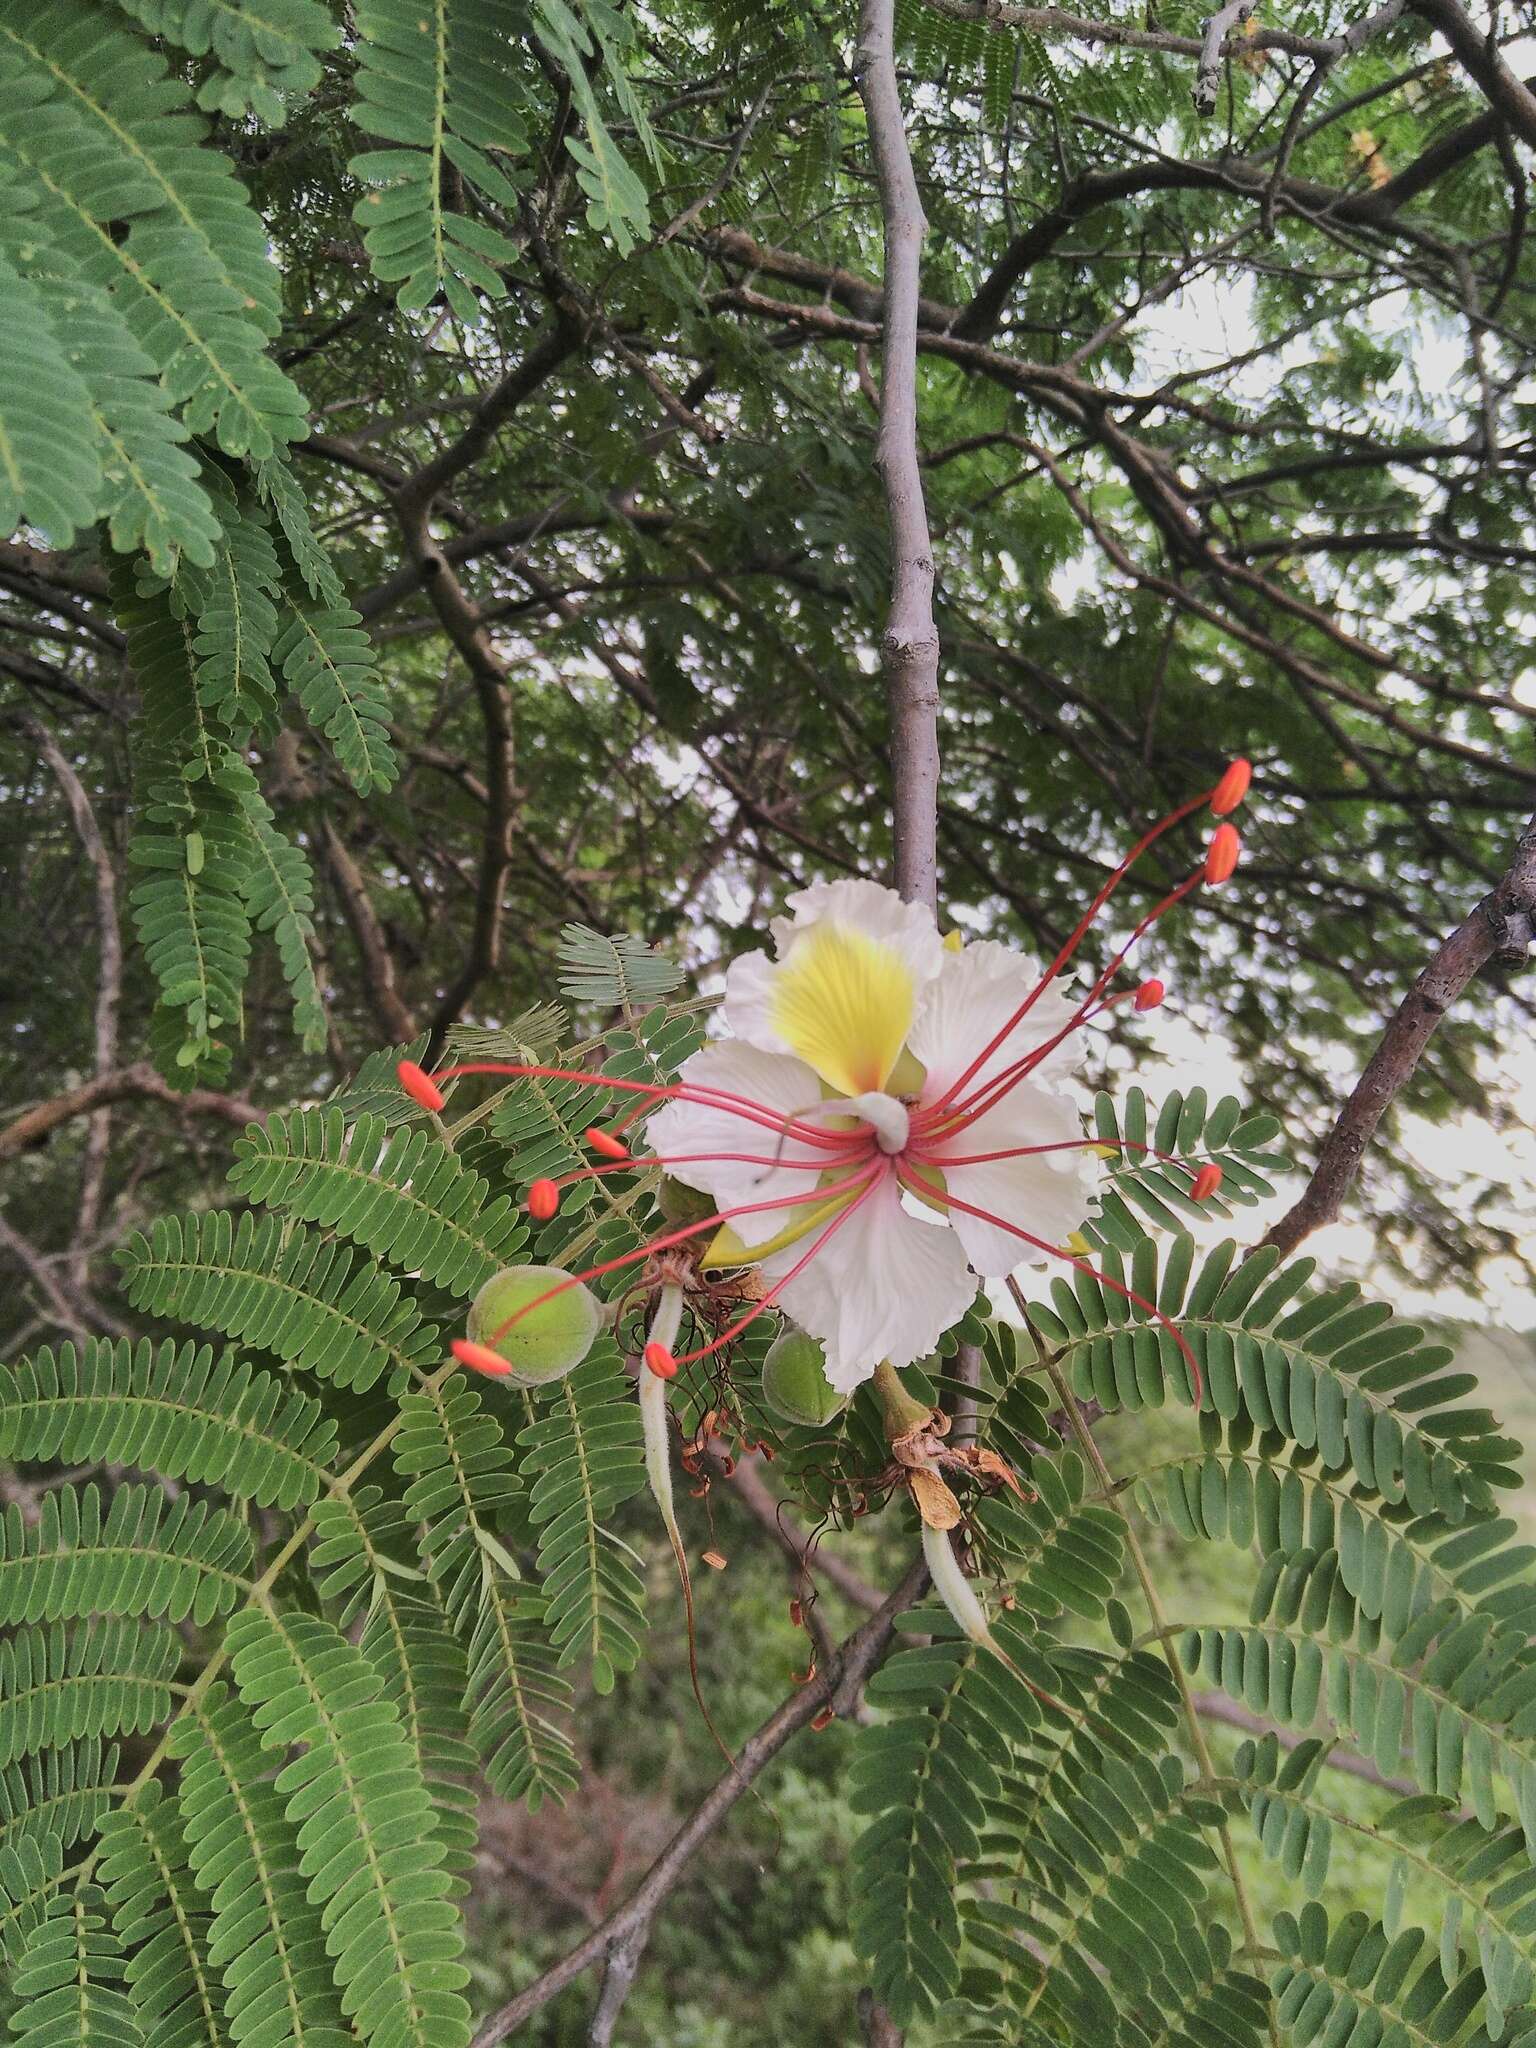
(890, 1063)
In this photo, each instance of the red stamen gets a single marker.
(1207, 1181)
(543, 1200)
(771, 1295)
(1117, 875)
(480, 1358)
(1221, 854)
(991, 1092)
(1232, 788)
(660, 1361)
(710, 1098)
(946, 1159)
(609, 1147)
(933, 1193)
(681, 1235)
(420, 1086)
(1150, 994)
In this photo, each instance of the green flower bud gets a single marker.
(795, 1383)
(550, 1341)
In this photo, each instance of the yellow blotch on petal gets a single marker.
(844, 1003)
(1076, 1242)
(954, 942)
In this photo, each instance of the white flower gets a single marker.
(889, 1123)
(911, 1157)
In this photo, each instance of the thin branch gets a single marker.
(838, 1686)
(33, 1126)
(1502, 925)
(910, 643)
(1213, 46)
(384, 998)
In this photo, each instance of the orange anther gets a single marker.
(822, 1720)
(1232, 788)
(610, 1147)
(480, 1358)
(660, 1360)
(420, 1086)
(1207, 1181)
(543, 1200)
(1150, 994)
(796, 1614)
(1221, 854)
(714, 1560)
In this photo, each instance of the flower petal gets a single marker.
(1045, 1193)
(845, 989)
(679, 1130)
(886, 1285)
(977, 991)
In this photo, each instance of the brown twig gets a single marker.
(34, 1125)
(838, 1685)
(384, 998)
(1502, 925)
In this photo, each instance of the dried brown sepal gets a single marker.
(935, 1503)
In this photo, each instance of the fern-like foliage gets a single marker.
(366, 1589)
(617, 971)
(262, 55)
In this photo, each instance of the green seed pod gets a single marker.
(795, 1383)
(681, 1204)
(549, 1342)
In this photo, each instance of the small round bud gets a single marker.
(608, 1146)
(1150, 994)
(795, 1383)
(1207, 1181)
(1232, 788)
(660, 1361)
(543, 1200)
(420, 1086)
(546, 1342)
(1221, 854)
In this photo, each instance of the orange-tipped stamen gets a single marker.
(767, 1299)
(1232, 788)
(1207, 1181)
(930, 1192)
(420, 1086)
(610, 1148)
(543, 1200)
(1221, 855)
(682, 1234)
(1150, 994)
(480, 1358)
(991, 1092)
(656, 1092)
(660, 1361)
(1080, 932)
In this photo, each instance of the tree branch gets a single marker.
(1503, 924)
(838, 1686)
(910, 643)
(34, 1125)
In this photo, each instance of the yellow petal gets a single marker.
(844, 1002)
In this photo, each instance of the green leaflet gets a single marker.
(95, 125)
(264, 53)
(404, 1195)
(141, 1556)
(68, 1978)
(264, 1936)
(290, 1291)
(365, 1833)
(182, 1410)
(162, 1921)
(57, 1688)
